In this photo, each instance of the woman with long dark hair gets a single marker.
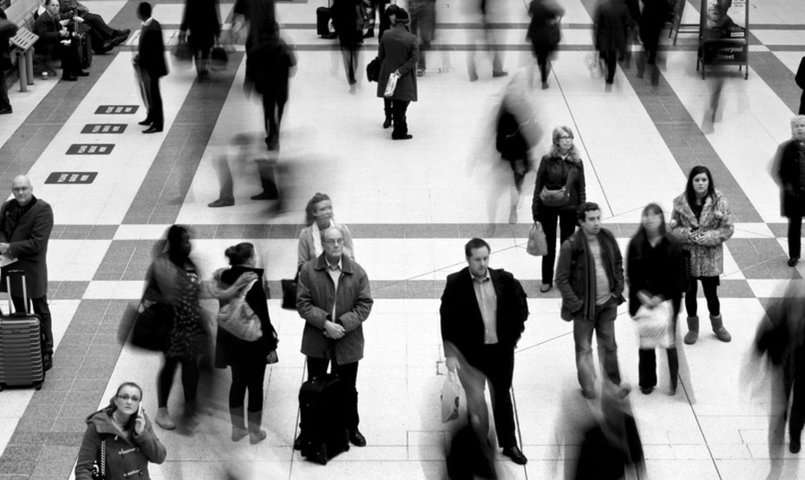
(701, 221)
(247, 359)
(123, 431)
(318, 217)
(558, 191)
(655, 272)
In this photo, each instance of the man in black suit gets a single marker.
(25, 225)
(7, 31)
(482, 317)
(150, 66)
(56, 42)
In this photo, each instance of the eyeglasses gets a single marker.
(128, 397)
(334, 241)
(565, 137)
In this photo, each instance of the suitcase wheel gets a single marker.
(38, 385)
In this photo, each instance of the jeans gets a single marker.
(710, 287)
(42, 309)
(567, 225)
(604, 326)
(348, 373)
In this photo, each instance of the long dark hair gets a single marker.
(690, 194)
(111, 408)
(641, 235)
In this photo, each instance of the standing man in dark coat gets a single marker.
(789, 173)
(150, 64)
(25, 225)
(483, 312)
(334, 299)
(800, 79)
(398, 53)
(611, 26)
(7, 31)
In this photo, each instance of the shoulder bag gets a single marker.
(238, 318)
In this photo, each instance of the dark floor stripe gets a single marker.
(778, 77)
(163, 190)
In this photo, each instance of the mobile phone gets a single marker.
(140, 410)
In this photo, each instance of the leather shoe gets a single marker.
(222, 202)
(152, 129)
(405, 136)
(545, 287)
(515, 454)
(356, 438)
(387, 122)
(82, 73)
(263, 196)
(298, 442)
(792, 262)
(145, 122)
(794, 445)
(5, 111)
(646, 390)
(69, 78)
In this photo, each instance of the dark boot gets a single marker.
(673, 369)
(718, 328)
(238, 423)
(693, 330)
(256, 435)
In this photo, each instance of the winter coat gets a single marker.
(7, 31)
(555, 172)
(544, 29)
(398, 51)
(126, 458)
(715, 222)
(611, 26)
(315, 296)
(28, 243)
(231, 350)
(659, 270)
(788, 161)
(201, 19)
(575, 275)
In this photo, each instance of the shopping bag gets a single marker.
(219, 57)
(537, 245)
(289, 292)
(391, 85)
(452, 392)
(238, 318)
(654, 325)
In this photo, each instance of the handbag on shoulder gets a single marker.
(238, 318)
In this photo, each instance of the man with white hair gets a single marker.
(25, 225)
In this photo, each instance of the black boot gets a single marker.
(256, 435)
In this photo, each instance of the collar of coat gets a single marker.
(102, 420)
(710, 203)
(346, 264)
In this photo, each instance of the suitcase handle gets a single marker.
(21, 275)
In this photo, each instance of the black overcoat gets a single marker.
(201, 20)
(28, 243)
(398, 50)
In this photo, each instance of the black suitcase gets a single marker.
(84, 46)
(324, 23)
(322, 403)
(21, 362)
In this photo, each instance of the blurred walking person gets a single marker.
(655, 272)
(348, 22)
(398, 55)
(423, 26)
(484, 10)
(373, 8)
(201, 19)
(559, 190)
(652, 21)
(702, 222)
(610, 33)
(544, 33)
(789, 173)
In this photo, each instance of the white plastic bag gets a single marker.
(452, 392)
(654, 325)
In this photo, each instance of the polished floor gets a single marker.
(411, 206)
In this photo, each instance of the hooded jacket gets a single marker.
(126, 458)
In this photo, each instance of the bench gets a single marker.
(23, 43)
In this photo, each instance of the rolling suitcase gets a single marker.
(84, 51)
(21, 362)
(324, 23)
(322, 402)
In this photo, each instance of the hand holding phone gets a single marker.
(139, 422)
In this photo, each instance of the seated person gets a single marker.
(103, 37)
(56, 42)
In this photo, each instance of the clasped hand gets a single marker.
(333, 330)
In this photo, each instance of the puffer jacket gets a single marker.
(126, 459)
(715, 223)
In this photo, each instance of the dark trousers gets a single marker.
(348, 374)
(99, 26)
(5, 103)
(349, 52)
(543, 56)
(496, 363)
(610, 58)
(247, 377)
(273, 107)
(604, 326)
(794, 234)
(567, 225)
(153, 99)
(387, 107)
(398, 109)
(42, 309)
(190, 374)
(710, 287)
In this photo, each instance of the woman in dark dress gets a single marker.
(560, 169)
(656, 271)
(247, 359)
(544, 33)
(201, 19)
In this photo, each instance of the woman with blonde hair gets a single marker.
(558, 191)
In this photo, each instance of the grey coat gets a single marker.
(398, 51)
(315, 296)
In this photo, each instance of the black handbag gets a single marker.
(152, 327)
(373, 70)
(289, 293)
(219, 56)
(99, 465)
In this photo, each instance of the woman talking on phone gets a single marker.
(119, 440)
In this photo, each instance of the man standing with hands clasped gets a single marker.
(483, 312)
(333, 298)
(149, 62)
(25, 225)
(590, 277)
